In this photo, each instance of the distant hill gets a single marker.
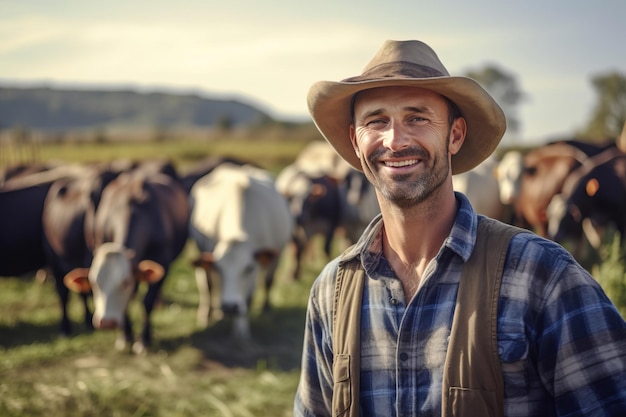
(52, 109)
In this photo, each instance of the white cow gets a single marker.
(240, 222)
(509, 174)
(481, 188)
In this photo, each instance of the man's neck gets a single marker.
(412, 237)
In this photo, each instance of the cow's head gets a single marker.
(113, 279)
(237, 265)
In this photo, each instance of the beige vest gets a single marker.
(472, 379)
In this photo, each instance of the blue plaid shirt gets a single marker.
(562, 343)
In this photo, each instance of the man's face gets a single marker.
(404, 140)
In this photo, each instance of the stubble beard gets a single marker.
(407, 190)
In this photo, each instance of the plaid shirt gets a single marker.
(562, 343)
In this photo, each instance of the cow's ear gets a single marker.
(150, 271)
(77, 280)
(592, 187)
(205, 261)
(265, 256)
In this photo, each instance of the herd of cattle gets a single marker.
(102, 229)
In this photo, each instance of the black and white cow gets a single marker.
(22, 198)
(315, 202)
(594, 196)
(140, 227)
(69, 207)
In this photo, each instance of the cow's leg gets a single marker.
(299, 245)
(63, 293)
(204, 296)
(269, 282)
(88, 313)
(328, 239)
(125, 336)
(148, 303)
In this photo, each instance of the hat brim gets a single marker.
(329, 104)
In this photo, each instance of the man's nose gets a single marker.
(396, 138)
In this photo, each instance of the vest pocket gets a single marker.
(342, 395)
(468, 402)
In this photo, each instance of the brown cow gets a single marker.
(544, 173)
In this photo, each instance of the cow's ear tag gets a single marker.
(592, 187)
(150, 271)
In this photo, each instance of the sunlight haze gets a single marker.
(269, 53)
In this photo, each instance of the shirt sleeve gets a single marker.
(315, 389)
(581, 347)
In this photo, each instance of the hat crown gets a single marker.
(411, 59)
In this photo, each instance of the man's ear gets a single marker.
(457, 135)
(355, 146)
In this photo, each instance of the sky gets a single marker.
(269, 52)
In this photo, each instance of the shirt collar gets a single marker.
(461, 239)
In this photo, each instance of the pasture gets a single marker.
(189, 371)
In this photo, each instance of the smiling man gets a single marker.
(437, 311)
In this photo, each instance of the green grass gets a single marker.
(272, 155)
(189, 371)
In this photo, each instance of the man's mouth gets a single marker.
(399, 164)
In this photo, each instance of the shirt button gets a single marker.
(404, 356)
(394, 301)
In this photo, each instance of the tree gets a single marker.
(609, 115)
(505, 90)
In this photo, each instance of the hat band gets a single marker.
(399, 69)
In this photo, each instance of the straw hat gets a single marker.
(411, 64)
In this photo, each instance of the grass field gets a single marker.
(189, 371)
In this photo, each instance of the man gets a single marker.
(561, 343)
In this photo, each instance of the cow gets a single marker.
(22, 198)
(509, 174)
(67, 221)
(480, 185)
(315, 204)
(544, 172)
(593, 197)
(326, 195)
(140, 227)
(359, 204)
(69, 205)
(240, 224)
(20, 170)
(21, 232)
